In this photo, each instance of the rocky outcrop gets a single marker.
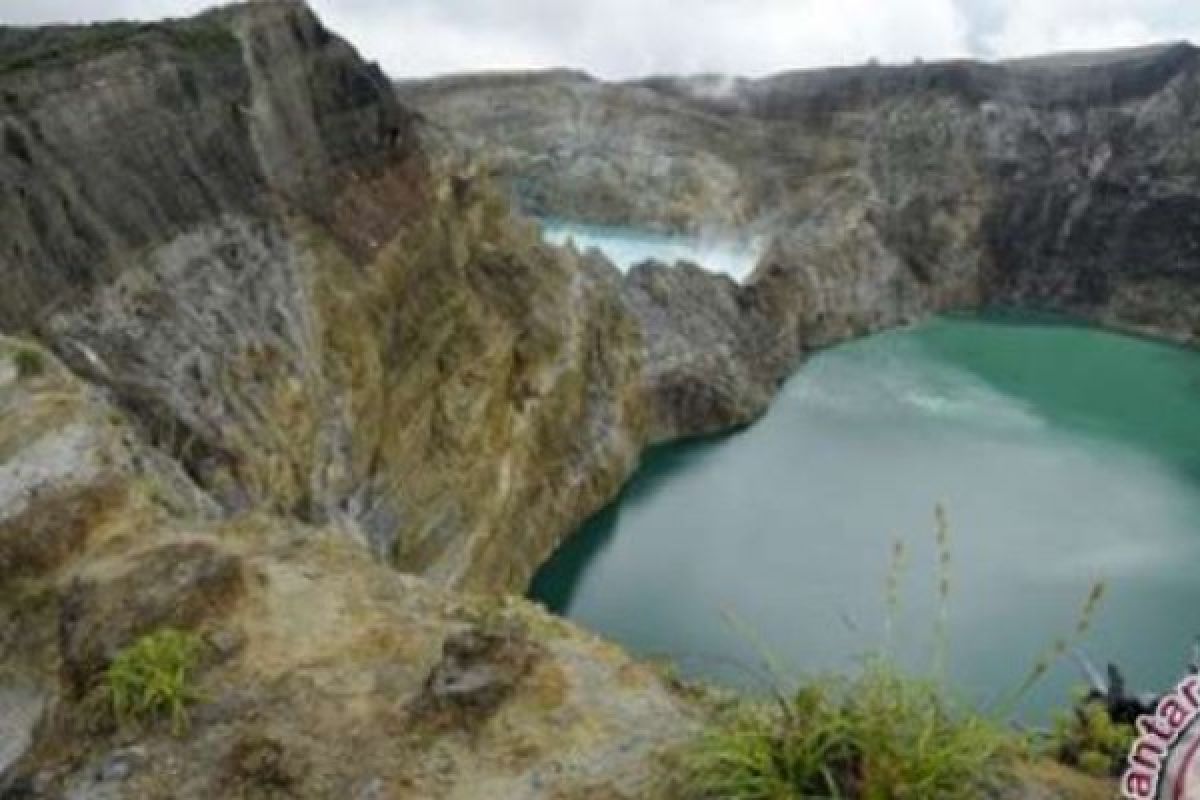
(232, 225)
(323, 673)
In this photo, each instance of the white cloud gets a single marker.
(623, 38)
(1030, 27)
(40, 12)
(417, 42)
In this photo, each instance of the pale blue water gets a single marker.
(625, 248)
(1063, 454)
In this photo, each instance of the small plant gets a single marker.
(153, 677)
(880, 734)
(1087, 738)
(29, 363)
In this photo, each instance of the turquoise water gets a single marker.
(1062, 454)
(734, 257)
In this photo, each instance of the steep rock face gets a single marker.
(575, 147)
(232, 224)
(1100, 214)
(117, 138)
(1065, 183)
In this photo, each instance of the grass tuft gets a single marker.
(154, 677)
(29, 363)
(879, 734)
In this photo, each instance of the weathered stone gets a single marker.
(119, 765)
(177, 585)
(261, 763)
(21, 710)
(479, 670)
(51, 528)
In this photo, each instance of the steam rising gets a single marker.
(627, 247)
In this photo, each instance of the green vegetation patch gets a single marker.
(29, 363)
(201, 35)
(28, 48)
(879, 734)
(1087, 738)
(33, 47)
(153, 677)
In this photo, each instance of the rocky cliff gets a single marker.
(1065, 183)
(232, 224)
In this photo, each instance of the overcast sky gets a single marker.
(624, 38)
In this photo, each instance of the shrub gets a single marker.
(153, 677)
(879, 734)
(203, 35)
(29, 363)
(32, 48)
(1087, 738)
